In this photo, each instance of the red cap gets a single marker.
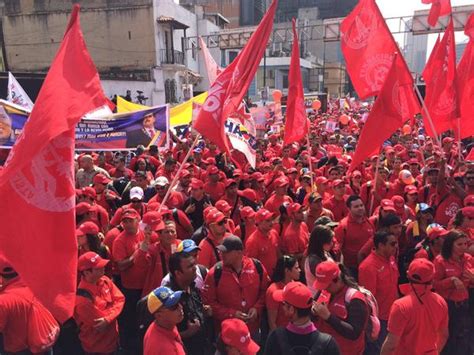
(436, 231)
(321, 180)
(249, 194)
(469, 200)
(387, 205)
(258, 176)
(448, 140)
(411, 190)
(212, 169)
(398, 202)
(413, 161)
(237, 173)
(153, 206)
(154, 220)
(89, 227)
(282, 181)
(337, 182)
(229, 182)
(291, 171)
(101, 179)
(130, 213)
(91, 260)
(223, 206)
(82, 208)
(89, 192)
(214, 216)
(235, 333)
(196, 184)
(293, 208)
(247, 212)
(356, 173)
(468, 211)
(296, 294)
(263, 215)
(184, 173)
(325, 273)
(421, 271)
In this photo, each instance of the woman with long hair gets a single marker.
(454, 277)
(287, 269)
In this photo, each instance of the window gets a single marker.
(232, 56)
(285, 81)
(193, 51)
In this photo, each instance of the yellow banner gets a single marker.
(127, 106)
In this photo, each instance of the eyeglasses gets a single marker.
(221, 223)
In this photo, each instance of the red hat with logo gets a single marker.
(214, 216)
(411, 190)
(154, 220)
(296, 294)
(230, 182)
(247, 212)
(89, 227)
(387, 205)
(91, 260)
(196, 184)
(101, 179)
(223, 206)
(89, 192)
(325, 273)
(282, 181)
(249, 194)
(130, 213)
(263, 215)
(235, 333)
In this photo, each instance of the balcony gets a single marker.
(172, 57)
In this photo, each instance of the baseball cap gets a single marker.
(293, 208)
(230, 182)
(237, 173)
(212, 169)
(326, 221)
(89, 228)
(130, 213)
(469, 200)
(325, 273)
(296, 294)
(91, 260)
(162, 297)
(406, 177)
(282, 181)
(235, 333)
(411, 190)
(154, 220)
(421, 271)
(82, 208)
(434, 230)
(321, 180)
(337, 182)
(214, 216)
(187, 246)
(247, 212)
(249, 194)
(423, 207)
(136, 192)
(196, 184)
(263, 215)
(448, 140)
(89, 192)
(101, 179)
(223, 206)
(231, 243)
(387, 205)
(161, 181)
(258, 176)
(468, 211)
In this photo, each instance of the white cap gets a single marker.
(136, 192)
(162, 181)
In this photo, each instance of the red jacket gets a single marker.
(107, 302)
(264, 248)
(159, 340)
(444, 270)
(236, 292)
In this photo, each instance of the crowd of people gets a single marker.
(294, 256)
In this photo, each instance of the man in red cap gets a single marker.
(98, 305)
(213, 187)
(431, 246)
(226, 209)
(315, 203)
(96, 213)
(235, 338)
(105, 197)
(195, 205)
(386, 207)
(375, 190)
(263, 243)
(295, 237)
(216, 223)
(280, 196)
(247, 225)
(379, 274)
(300, 333)
(336, 203)
(418, 322)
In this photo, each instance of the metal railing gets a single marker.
(171, 57)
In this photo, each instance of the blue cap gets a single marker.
(423, 207)
(162, 296)
(187, 246)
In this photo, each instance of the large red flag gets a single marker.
(384, 118)
(296, 126)
(369, 47)
(226, 94)
(440, 80)
(37, 182)
(438, 8)
(465, 81)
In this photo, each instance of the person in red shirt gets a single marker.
(247, 224)
(175, 199)
(98, 305)
(226, 209)
(162, 336)
(431, 246)
(105, 197)
(137, 204)
(96, 213)
(287, 161)
(263, 243)
(316, 209)
(184, 228)
(372, 192)
(418, 322)
(336, 203)
(213, 187)
(295, 237)
(240, 289)
(454, 277)
(353, 232)
(120, 170)
(167, 170)
(280, 196)
(216, 223)
(378, 273)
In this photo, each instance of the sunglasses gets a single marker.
(221, 223)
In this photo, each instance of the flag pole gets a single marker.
(433, 129)
(372, 199)
(181, 167)
(310, 162)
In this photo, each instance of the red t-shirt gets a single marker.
(215, 191)
(281, 320)
(337, 207)
(274, 202)
(445, 269)
(295, 238)
(448, 204)
(263, 248)
(159, 340)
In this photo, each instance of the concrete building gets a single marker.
(133, 44)
(335, 80)
(460, 47)
(415, 50)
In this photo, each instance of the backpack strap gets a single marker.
(176, 217)
(84, 293)
(320, 342)
(216, 254)
(283, 341)
(217, 273)
(259, 267)
(202, 271)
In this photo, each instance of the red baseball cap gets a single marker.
(421, 271)
(230, 182)
(398, 202)
(435, 230)
(263, 215)
(282, 181)
(196, 184)
(325, 273)
(214, 216)
(258, 176)
(89, 227)
(212, 169)
(411, 190)
(337, 182)
(130, 213)
(82, 208)
(293, 208)
(321, 180)
(296, 294)
(247, 212)
(468, 211)
(154, 220)
(448, 140)
(235, 333)
(387, 205)
(249, 194)
(469, 200)
(237, 173)
(184, 173)
(101, 179)
(89, 192)
(91, 260)
(223, 206)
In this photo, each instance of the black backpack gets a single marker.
(319, 343)
(218, 271)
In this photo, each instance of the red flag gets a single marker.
(296, 126)
(227, 92)
(213, 70)
(465, 81)
(440, 79)
(438, 8)
(369, 47)
(384, 118)
(37, 183)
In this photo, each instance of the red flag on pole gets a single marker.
(37, 182)
(369, 47)
(440, 79)
(213, 70)
(465, 81)
(227, 92)
(438, 8)
(297, 125)
(384, 118)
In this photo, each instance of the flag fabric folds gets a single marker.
(297, 125)
(438, 8)
(226, 93)
(369, 48)
(384, 118)
(441, 92)
(37, 182)
(213, 70)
